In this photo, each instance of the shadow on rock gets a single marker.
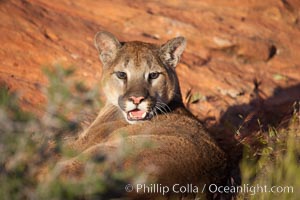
(241, 124)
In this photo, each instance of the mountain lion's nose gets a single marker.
(136, 100)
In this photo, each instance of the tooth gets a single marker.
(144, 115)
(130, 114)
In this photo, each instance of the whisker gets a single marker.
(167, 106)
(154, 113)
(164, 104)
(157, 106)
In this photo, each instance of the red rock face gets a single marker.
(230, 44)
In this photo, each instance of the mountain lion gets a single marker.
(144, 103)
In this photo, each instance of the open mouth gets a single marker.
(136, 114)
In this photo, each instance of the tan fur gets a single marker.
(183, 151)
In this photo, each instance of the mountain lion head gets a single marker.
(139, 78)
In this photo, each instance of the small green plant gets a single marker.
(193, 98)
(274, 169)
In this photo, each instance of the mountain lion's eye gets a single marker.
(121, 75)
(153, 75)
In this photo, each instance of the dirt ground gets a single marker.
(242, 59)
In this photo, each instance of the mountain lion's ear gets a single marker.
(171, 51)
(107, 46)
